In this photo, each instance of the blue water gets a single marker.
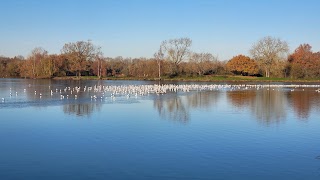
(218, 134)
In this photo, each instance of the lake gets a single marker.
(63, 129)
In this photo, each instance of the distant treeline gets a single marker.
(269, 58)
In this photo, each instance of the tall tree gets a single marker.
(99, 67)
(175, 51)
(80, 53)
(37, 58)
(269, 50)
(159, 56)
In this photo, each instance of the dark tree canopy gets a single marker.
(80, 53)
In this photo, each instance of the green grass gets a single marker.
(241, 78)
(199, 78)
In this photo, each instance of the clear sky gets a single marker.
(136, 28)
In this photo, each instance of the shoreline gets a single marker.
(197, 79)
(186, 79)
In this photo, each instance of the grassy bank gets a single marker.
(198, 78)
(245, 78)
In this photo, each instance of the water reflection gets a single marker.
(81, 109)
(47, 136)
(241, 99)
(203, 99)
(172, 108)
(177, 108)
(268, 106)
(302, 102)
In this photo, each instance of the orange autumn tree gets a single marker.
(304, 63)
(242, 65)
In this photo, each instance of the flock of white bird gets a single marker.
(103, 92)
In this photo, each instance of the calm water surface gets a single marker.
(218, 134)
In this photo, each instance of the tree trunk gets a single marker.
(267, 73)
(99, 69)
(159, 69)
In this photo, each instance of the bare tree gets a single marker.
(99, 59)
(159, 56)
(19, 57)
(202, 62)
(79, 53)
(37, 56)
(269, 50)
(176, 50)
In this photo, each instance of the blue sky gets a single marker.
(136, 28)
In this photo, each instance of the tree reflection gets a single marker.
(270, 106)
(302, 102)
(81, 109)
(203, 100)
(241, 99)
(176, 108)
(172, 108)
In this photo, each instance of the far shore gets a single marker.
(196, 79)
(189, 79)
